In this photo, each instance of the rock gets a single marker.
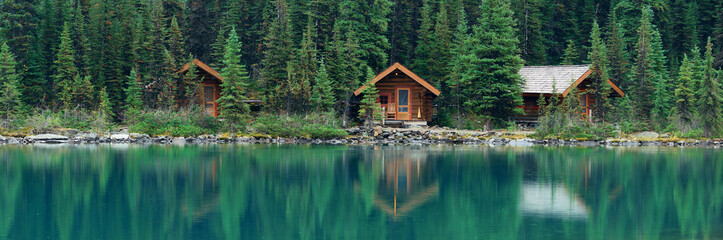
(48, 138)
(646, 135)
(68, 132)
(119, 136)
(86, 136)
(520, 143)
(179, 140)
(377, 130)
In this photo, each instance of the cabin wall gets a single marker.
(421, 98)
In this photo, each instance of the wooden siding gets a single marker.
(421, 99)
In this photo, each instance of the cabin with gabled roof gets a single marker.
(210, 86)
(403, 95)
(558, 80)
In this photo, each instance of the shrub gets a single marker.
(185, 123)
(315, 125)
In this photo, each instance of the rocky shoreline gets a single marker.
(362, 136)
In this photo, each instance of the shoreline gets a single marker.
(357, 136)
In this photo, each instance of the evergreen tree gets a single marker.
(571, 56)
(176, 45)
(166, 82)
(529, 15)
(366, 21)
(423, 52)
(369, 109)
(458, 67)
(323, 94)
(344, 67)
(17, 23)
(618, 55)
(82, 93)
(105, 108)
(189, 86)
(440, 48)
(10, 95)
(718, 36)
(134, 102)
(65, 70)
(304, 70)
(494, 88)
(34, 87)
(647, 72)
(233, 89)
(710, 97)
(684, 110)
(279, 49)
(600, 89)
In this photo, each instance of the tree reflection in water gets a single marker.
(358, 192)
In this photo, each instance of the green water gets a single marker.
(355, 192)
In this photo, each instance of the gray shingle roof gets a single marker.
(539, 79)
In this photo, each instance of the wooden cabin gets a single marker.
(403, 95)
(540, 80)
(211, 89)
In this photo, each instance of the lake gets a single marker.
(359, 192)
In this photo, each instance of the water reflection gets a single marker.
(339, 192)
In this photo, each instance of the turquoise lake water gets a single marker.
(359, 192)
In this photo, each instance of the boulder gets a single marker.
(48, 138)
(86, 136)
(179, 140)
(377, 130)
(119, 136)
(521, 143)
(646, 135)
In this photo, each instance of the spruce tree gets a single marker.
(440, 48)
(133, 102)
(599, 88)
(423, 52)
(278, 51)
(571, 56)
(189, 85)
(17, 23)
(105, 108)
(618, 55)
(648, 69)
(233, 89)
(458, 66)
(494, 86)
(684, 110)
(65, 70)
(10, 95)
(369, 109)
(304, 70)
(323, 95)
(176, 45)
(710, 97)
(529, 15)
(82, 94)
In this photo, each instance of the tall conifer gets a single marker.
(233, 89)
(709, 95)
(10, 95)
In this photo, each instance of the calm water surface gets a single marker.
(355, 192)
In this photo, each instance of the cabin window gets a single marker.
(384, 99)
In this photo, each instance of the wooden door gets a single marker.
(209, 101)
(404, 104)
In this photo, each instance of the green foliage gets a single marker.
(233, 89)
(134, 103)
(177, 123)
(104, 108)
(571, 56)
(316, 126)
(322, 95)
(370, 109)
(83, 120)
(599, 88)
(649, 70)
(710, 97)
(684, 110)
(9, 95)
(492, 84)
(65, 71)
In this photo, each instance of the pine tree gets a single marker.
(684, 110)
(82, 93)
(279, 49)
(423, 52)
(647, 72)
(618, 55)
(440, 48)
(458, 66)
(529, 15)
(17, 23)
(494, 88)
(133, 102)
(34, 87)
(233, 89)
(189, 86)
(166, 82)
(176, 45)
(369, 109)
(344, 67)
(10, 95)
(304, 70)
(105, 108)
(600, 89)
(66, 71)
(710, 97)
(571, 56)
(323, 94)
(366, 21)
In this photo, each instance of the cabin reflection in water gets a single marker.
(550, 200)
(407, 182)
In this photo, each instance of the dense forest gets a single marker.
(306, 56)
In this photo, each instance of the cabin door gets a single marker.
(209, 101)
(404, 104)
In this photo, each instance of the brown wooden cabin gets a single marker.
(211, 89)
(403, 95)
(540, 80)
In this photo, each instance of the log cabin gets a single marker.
(540, 80)
(210, 81)
(211, 86)
(403, 95)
